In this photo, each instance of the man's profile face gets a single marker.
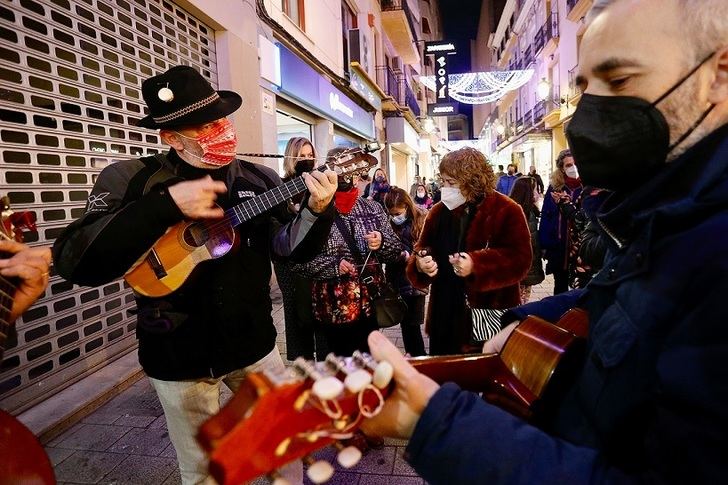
(640, 48)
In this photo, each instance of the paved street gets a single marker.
(125, 441)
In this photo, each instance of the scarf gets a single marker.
(345, 200)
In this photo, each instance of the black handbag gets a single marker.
(389, 306)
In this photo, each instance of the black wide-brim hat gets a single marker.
(181, 96)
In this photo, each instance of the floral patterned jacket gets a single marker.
(366, 216)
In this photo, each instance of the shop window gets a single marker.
(295, 11)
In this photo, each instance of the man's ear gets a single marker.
(172, 139)
(718, 92)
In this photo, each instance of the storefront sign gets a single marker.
(440, 47)
(361, 86)
(301, 82)
(442, 109)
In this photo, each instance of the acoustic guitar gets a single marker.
(278, 418)
(22, 458)
(168, 264)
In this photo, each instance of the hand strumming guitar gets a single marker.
(30, 267)
(196, 198)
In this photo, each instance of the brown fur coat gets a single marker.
(499, 243)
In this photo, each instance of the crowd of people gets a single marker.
(631, 226)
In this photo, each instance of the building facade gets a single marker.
(336, 71)
(526, 127)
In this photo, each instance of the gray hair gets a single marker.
(705, 21)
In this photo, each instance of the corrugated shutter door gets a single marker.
(70, 77)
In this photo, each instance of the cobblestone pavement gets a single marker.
(125, 441)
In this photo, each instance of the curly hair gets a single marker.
(471, 170)
(557, 176)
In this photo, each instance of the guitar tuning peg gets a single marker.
(349, 456)
(357, 381)
(327, 388)
(320, 472)
(383, 374)
(280, 481)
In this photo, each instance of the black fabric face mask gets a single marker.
(619, 142)
(303, 166)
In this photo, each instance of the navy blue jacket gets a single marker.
(505, 184)
(651, 401)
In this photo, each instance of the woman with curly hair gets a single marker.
(475, 245)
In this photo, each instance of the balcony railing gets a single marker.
(548, 31)
(411, 100)
(527, 58)
(389, 81)
(573, 88)
(391, 5)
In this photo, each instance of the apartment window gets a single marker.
(295, 11)
(426, 26)
(348, 22)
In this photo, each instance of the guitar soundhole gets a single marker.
(196, 235)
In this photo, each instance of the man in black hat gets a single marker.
(217, 326)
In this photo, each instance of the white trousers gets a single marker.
(187, 404)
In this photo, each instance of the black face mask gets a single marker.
(619, 142)
(303, 166)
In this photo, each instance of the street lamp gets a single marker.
(428, 124)
(499, 128)
(543, 89)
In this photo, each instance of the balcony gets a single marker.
(546, 38)
(410, 100)
(390, 82)
(400, 27)
(578, 9)
(574, 94)
(527, 58)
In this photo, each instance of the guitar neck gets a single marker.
(7, 290)
(257, 205)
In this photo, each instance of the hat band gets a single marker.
(187, 109)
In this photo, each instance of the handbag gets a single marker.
(388, 305)
(337, 301)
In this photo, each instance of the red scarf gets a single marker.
(572, 183)
(345, 200)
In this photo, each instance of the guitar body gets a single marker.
(23, 461)
(176, 254)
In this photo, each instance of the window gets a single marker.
(426, 26)
(295, 11)
(348, 22)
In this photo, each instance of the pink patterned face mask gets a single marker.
(218, 145)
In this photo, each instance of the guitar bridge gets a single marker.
(156, 264)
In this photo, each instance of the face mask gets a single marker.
(400, 219)
(379, 178)
(619, 142)
(303, 166)
(572, 172)
(218, 145)
(421, 195)
(451, 197)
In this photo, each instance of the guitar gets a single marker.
(22, 458)
(168, 264)
(278, 418)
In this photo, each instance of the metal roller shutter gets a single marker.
(70, 77)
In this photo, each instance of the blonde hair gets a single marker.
(471, 170)
(293, 151)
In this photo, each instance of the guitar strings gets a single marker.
(220, 227)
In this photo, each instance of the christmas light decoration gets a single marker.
(482, 87)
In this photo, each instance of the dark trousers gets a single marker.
(343, 340)
(561, 281)
(412, 325)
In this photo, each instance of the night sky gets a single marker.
(460, 24)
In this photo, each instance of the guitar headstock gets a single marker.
(352, 161)
(277, 418)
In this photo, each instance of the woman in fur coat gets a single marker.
(476, 243)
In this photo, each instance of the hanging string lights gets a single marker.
(482, 87)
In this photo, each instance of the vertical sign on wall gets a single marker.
(441, 50)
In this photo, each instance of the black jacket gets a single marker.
(222, 314)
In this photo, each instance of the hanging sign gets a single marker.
(441, 50)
